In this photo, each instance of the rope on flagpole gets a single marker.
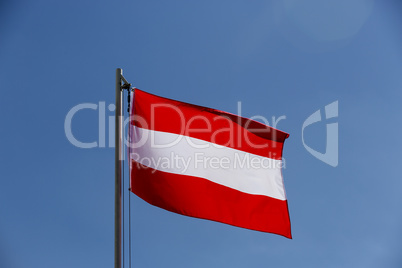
(126, 86)
(124, 212)
(129, 92)
(129, 195)
(129, 228)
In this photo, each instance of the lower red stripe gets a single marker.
(200, 198)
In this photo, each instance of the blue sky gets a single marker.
(279, 58)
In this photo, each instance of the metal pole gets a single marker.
(118, 169)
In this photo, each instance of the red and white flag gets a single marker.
(208, 164)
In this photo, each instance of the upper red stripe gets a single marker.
(200, 198)
(162, 114)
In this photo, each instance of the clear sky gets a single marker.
(279, 58)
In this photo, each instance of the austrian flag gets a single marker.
(207, 164)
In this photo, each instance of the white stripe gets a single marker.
(178, 154)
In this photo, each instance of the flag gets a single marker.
(208, 164)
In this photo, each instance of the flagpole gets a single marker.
(118, 169)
